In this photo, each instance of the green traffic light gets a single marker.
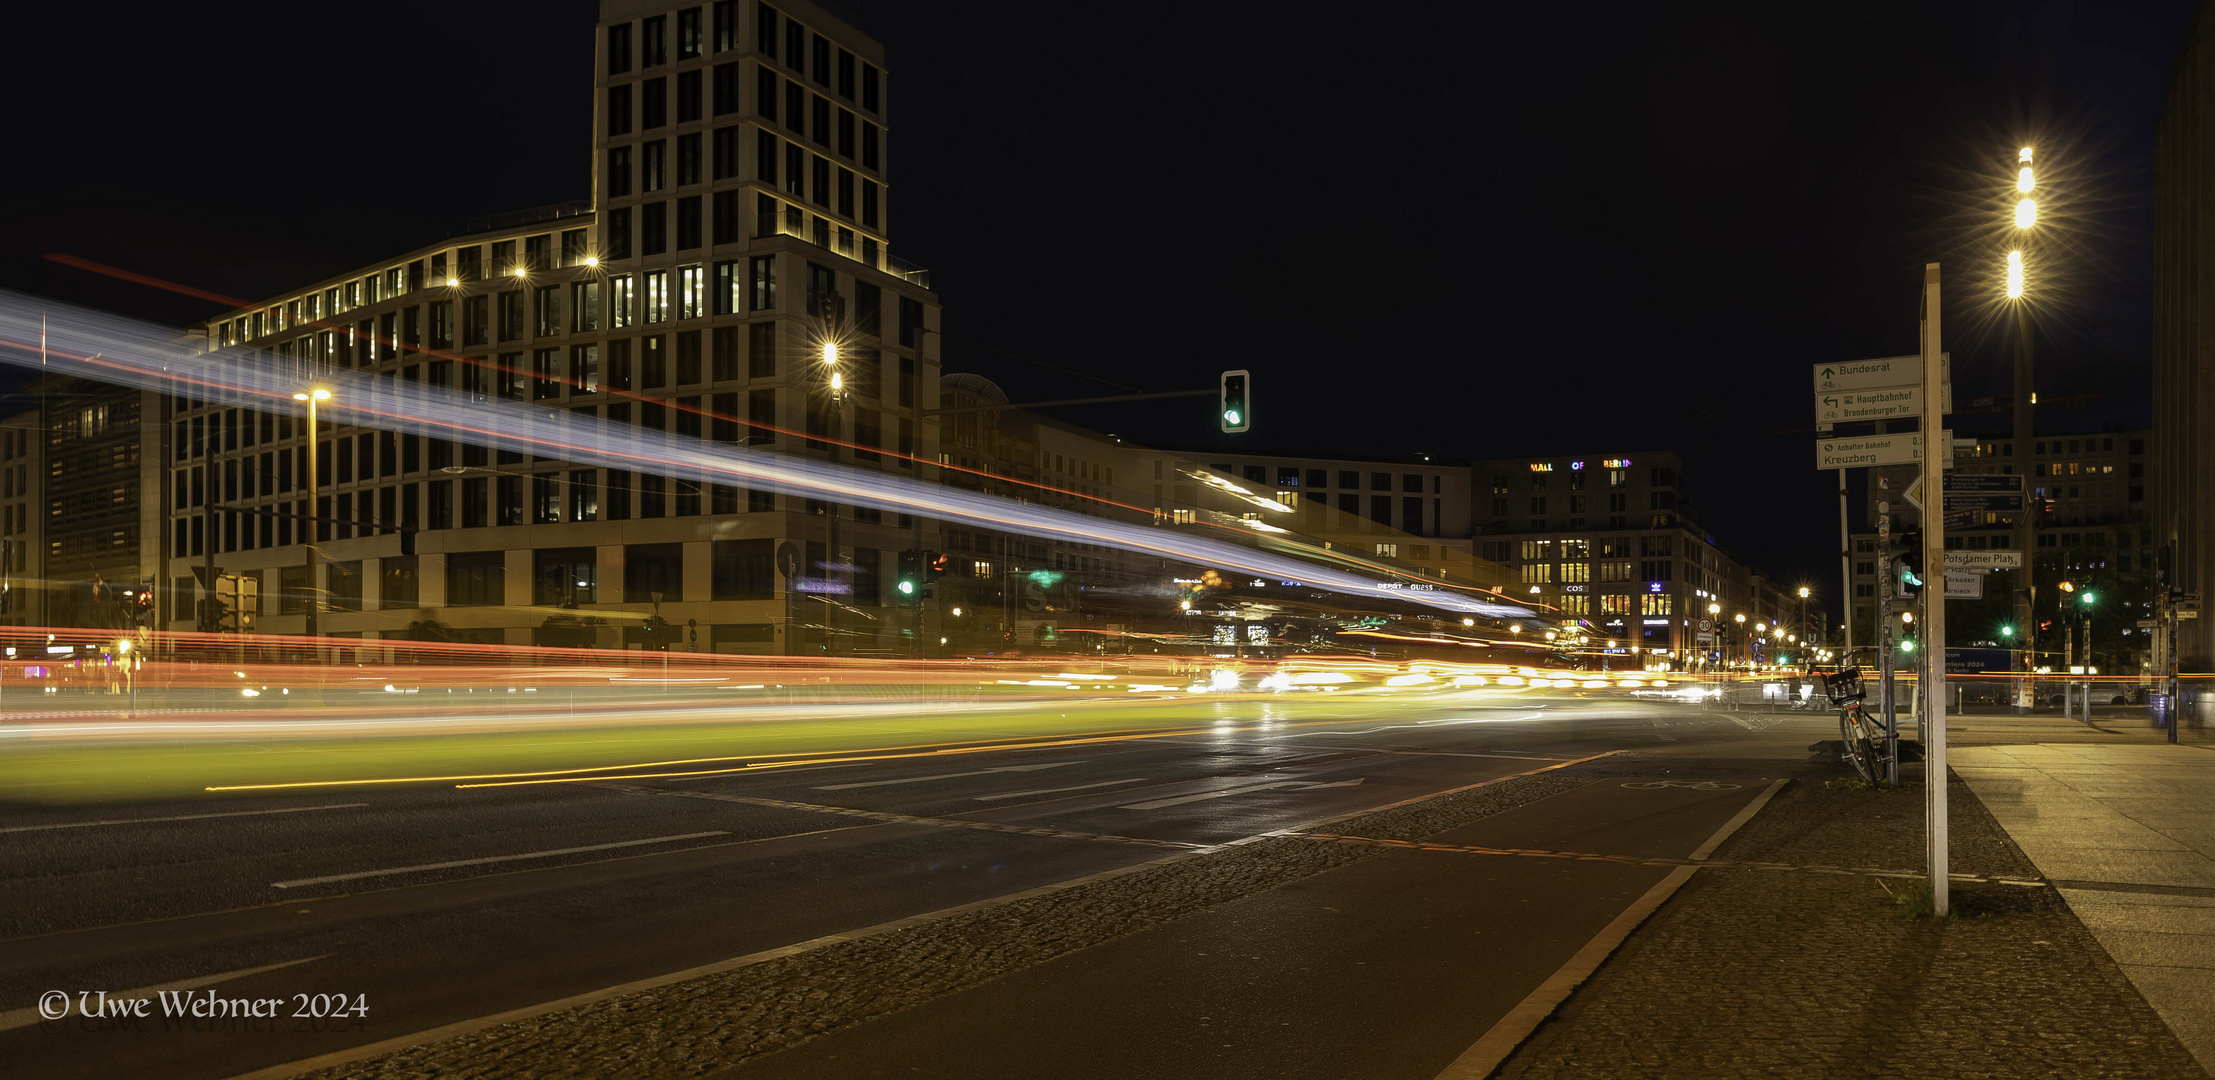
(1230, 416)
(907, 588)
(1907, 645)
(2088, 598)
(2007, 631)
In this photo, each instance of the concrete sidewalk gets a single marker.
(2127, 834)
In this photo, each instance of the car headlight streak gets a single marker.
(114, 350)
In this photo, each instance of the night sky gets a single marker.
(1468, 230)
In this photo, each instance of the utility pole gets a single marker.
(1935, 459)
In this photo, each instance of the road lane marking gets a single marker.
(1180, 800)
(179, 817)
(914, 819)
(328, 878)
(947, 776)
(19, 1018)
(1057, 790)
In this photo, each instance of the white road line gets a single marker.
(947, 776)
(17, 1018)
(327, 879)
(1053, 790)
(180, 817)
(1180, 800)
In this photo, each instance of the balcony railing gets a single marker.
(824, 235)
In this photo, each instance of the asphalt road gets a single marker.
(434, 905)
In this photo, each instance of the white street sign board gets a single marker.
(1902, 449)
(1876, 403)
(1870, 374)
(1984, 560)
(1964, 585)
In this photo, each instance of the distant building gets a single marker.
(1610, 539)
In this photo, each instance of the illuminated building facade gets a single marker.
(1610, 541)
(739, 223)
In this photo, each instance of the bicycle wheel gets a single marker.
(1860, 743)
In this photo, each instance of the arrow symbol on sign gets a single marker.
(1831, 401)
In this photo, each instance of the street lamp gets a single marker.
(315, 513)
(2026, 395)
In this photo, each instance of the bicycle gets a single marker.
(1862, 735)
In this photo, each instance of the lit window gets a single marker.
(657, 296)
(619, 301)
(692, 291)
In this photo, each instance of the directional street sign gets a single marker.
(1964, 585)
(1876, 403)
(1871, 374)
(2005, 504)
(1902, 449)
(1984, 483)
(1984, 560)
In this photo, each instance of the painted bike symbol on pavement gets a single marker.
(1689, 785)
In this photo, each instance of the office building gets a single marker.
(740, 222)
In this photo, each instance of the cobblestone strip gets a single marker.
(1639, 860)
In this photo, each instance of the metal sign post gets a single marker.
(1934, 614)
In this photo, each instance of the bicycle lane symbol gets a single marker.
(1688, 785)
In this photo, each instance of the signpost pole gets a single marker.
(1845, 567)
(1934, 615)
(1884, 647)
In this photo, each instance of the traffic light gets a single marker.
(1237, 411)
(1908, 564)
(2007, 631)
(935, 563)
(910, 582)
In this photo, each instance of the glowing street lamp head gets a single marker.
(1803, 592)
(452, 281)
(322, 395)
(830, 352)
(838, 381)
(2023, 155)
(592, 260)
(2014, 275)
(2026, 213)
(2023, 182)
(520, 272)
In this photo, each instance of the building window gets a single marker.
(619, 110)
(619, 172)
(511, 315)
(692, 291)
(653, 166)
(688, 223)
(584, 305)
(688, 34)
(657, 296)
(1538, 573)
(619, 233)
(654, 228)
(619, 48)
(545, 377)
(619, 301)
(764, 277)
(584, 368)
(653, 104)
(547, 303)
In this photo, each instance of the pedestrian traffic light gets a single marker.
(1237, 411)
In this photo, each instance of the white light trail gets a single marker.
(111, 349)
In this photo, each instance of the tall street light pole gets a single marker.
(315, 514)
(1935, 457)
(2026, 395)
